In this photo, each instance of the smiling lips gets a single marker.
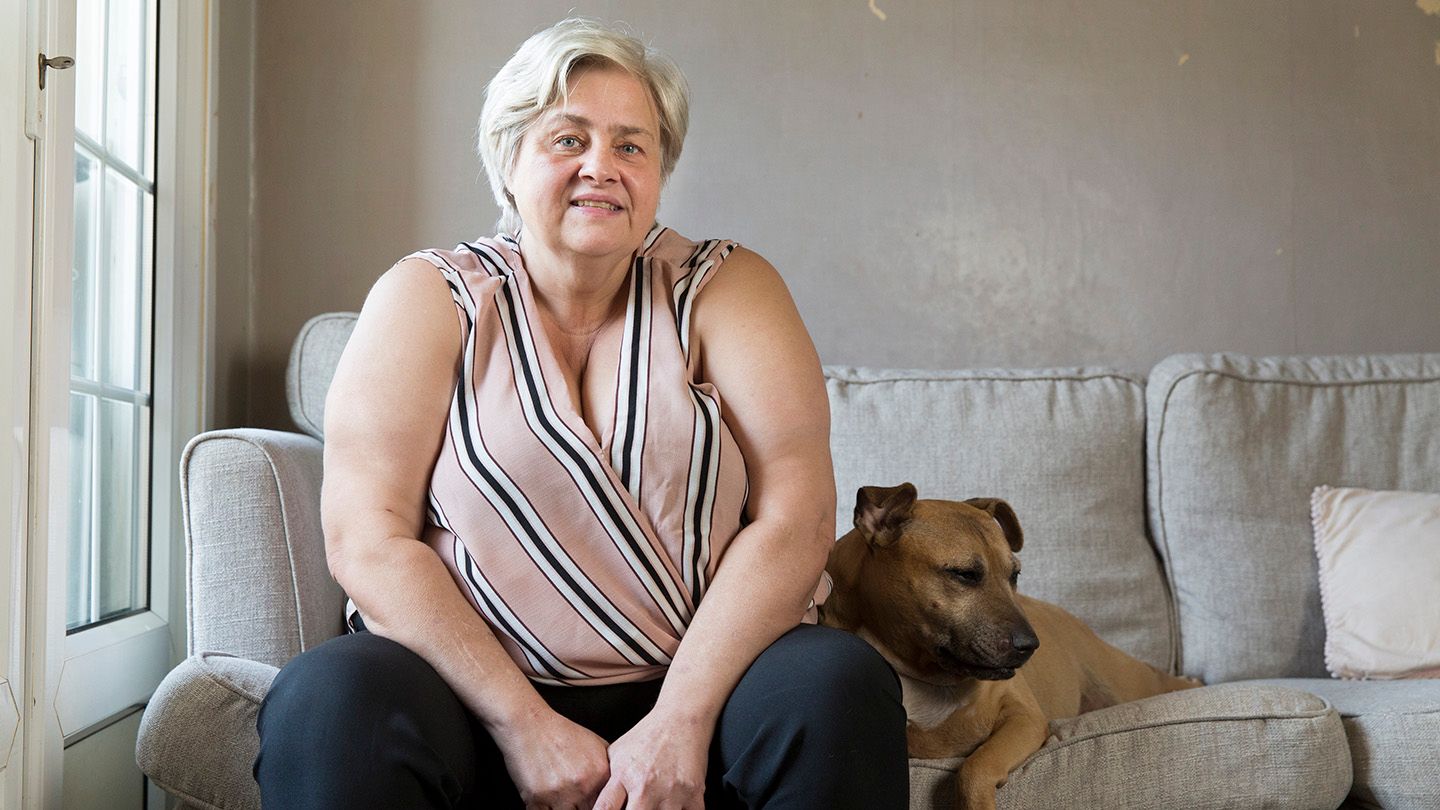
(601, 204)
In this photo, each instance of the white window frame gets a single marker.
(76, 684)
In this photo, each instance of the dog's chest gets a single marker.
(928, 705)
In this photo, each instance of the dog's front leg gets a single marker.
(1020, 730)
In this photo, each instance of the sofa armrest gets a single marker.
(197, 737)
(257, 583)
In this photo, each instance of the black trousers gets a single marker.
(361, 721)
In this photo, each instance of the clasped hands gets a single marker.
(658, 764)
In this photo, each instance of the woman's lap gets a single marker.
(362, 721)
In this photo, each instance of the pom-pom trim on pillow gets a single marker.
(1372, 630)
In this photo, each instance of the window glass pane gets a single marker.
(145, 294)
(82, 274)
(89, 66)
(82, 445)
(127, 102)
(152, 30)
(115, 573)
(119, 278)
(112, 282)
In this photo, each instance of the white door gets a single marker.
(17, 175)
(103, 226)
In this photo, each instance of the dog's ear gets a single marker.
(1003, 515)
(880, 512)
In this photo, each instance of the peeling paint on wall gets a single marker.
(881, 14)
(1185, 57)
(1429, 6)
(1437, 52)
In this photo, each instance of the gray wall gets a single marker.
(961, 184)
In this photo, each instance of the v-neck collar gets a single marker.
(566, 402)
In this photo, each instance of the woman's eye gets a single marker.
(630, 149)
(568, 142)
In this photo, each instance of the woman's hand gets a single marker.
(659, 763)
(555, 763)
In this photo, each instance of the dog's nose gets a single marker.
(1024, 641)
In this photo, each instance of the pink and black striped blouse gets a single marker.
(586, 555)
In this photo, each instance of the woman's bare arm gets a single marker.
(384, 422)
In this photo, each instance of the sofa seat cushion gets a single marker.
(1394, 733)
(1232, 745)
(198, 739)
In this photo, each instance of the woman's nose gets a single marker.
(598, 166)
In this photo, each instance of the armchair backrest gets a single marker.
(312, 365)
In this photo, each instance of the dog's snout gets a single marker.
(1023, 641)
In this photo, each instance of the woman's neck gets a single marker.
(577, 297)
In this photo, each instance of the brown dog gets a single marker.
(931, 585)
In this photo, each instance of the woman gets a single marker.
(580, 578)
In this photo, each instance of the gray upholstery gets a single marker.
(1236, 444)
(1393, 729)
(1065, 448)
(197, 738)
(312, 365)
(1227, 746)
(257, 583)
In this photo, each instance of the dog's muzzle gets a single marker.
(1007, 654)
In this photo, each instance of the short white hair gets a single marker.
(537, 78)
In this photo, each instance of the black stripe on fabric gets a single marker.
(695, 257)
(691, 280)
(632, 391)
(534, 392)
(706, 441)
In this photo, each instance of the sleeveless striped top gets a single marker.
(586, 556)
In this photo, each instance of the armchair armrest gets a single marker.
(258, 585)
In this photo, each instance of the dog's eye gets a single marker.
(969, 576)
(1014, 579)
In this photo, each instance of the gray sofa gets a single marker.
(1171, 513)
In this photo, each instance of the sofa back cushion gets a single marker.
(1065, 448)
(1236, 445)
(312, 365)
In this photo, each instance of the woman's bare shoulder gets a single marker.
(407, 330)
(744, 288)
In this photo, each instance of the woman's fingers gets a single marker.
(556, 764)
(612, 797)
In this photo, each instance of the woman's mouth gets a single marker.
(604, 206)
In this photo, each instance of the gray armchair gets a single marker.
(258, 589)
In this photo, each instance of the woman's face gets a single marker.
(587, 179)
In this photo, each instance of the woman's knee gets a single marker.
(347, 688)
(833, 670)
(817, 720)
(347, 677)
